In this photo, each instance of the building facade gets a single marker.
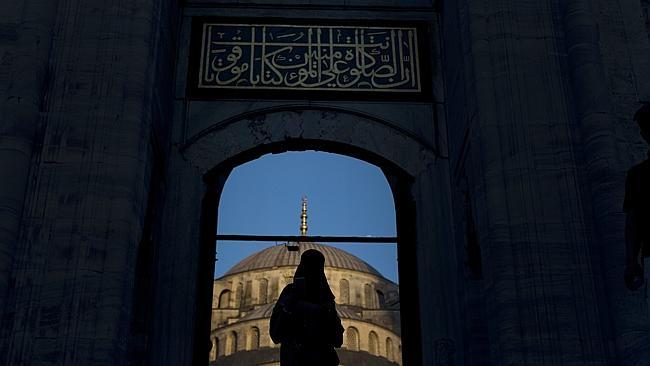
(506, 150)
(367, 303)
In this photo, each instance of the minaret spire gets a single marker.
(303, 217)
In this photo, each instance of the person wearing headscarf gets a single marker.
(304, 319)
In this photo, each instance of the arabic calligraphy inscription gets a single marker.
(237, 56)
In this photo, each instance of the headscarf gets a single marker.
(312, 268)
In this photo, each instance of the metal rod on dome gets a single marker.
(303, 217)
(309, 239)
(293, 242)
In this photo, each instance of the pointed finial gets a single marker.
(303, 217)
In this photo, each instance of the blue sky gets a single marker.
(345, 196)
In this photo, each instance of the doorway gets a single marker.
(419, 182)
(228, 341)
(348, 198)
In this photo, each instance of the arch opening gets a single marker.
(373, 343)
(352, 339)
(224, 299)
(399, 183)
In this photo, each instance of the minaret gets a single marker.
(303, 217)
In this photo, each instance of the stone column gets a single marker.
(605, 174)
(22, 98)
(518, 149)
(437, 268)
(105, 98)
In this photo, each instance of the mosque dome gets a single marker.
(279, 256)
(244, 298)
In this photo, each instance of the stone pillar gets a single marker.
(22, 96)
(106, 102)
(438, 286)
(174, 331)
(605, 171)
(515, 142)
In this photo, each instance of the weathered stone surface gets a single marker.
(82, 91)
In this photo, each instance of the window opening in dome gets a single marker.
(263, 288)
(344, 291)
(224, 299)
(373, 343)
(239, 294)
(381, 299)
(273, 209)
(389, 349)
(248, 293)
(352, 339)
(254, 339)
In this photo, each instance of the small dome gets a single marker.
(279, 256)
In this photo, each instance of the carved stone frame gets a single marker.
(198, 169)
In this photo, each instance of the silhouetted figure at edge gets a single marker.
(637, 208)
(304, 319)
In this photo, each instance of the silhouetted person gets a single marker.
(637, 208)
(304, 319)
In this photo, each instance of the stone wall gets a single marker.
(645, 5)
(541, 94)
(86, 88)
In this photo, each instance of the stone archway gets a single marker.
(226, 139)
(198, 169)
